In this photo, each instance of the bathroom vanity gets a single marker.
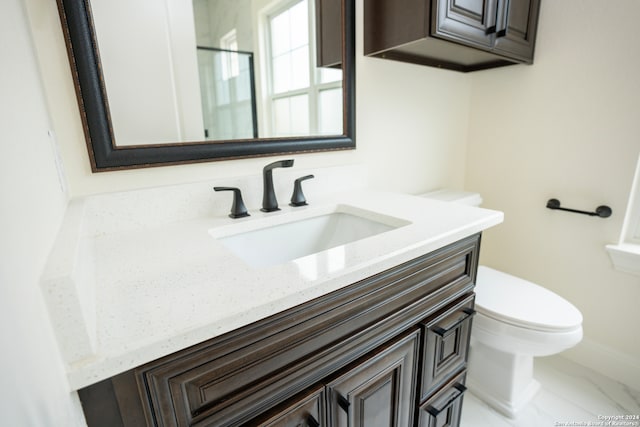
(372, 353)
(371, 332)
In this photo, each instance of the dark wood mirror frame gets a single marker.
(77, 25)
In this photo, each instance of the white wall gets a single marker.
(568, 127)
(411, 124)
(33, 390)
(151, 75)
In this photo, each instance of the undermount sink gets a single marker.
(295, 236)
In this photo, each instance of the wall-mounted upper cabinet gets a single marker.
(461, 35)
(329, 33)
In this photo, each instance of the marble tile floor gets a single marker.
(571, 395)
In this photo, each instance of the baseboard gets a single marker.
(606, 361)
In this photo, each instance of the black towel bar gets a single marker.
(601, 211)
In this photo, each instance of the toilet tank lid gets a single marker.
(462, 197)
(521, 303)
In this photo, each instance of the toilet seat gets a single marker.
(523, 304)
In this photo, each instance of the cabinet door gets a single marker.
(516, 37)
(470, 22)
(378, 392)
(305, 411)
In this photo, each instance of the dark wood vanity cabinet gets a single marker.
(389, 350)
(461, 35)
(308, 410)
(379, 391)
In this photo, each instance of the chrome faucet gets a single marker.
(269, 202)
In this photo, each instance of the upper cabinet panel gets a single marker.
(461, 35)
(466, 21)
(518, 38)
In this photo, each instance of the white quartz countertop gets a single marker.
(159, 288)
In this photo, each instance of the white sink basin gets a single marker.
(295, 236)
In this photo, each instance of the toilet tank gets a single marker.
(455, 196)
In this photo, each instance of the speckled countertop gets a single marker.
(123, 296)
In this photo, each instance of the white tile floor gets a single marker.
(571, 395)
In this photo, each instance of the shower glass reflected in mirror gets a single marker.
(227, 89)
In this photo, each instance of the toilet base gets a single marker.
(503, 380)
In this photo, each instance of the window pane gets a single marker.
(330, 111)
(299, 115)
(291, 115)
(281, 119)
(299, 25)
(290, 37)
(280, 34)
(328, 75)
(281, 73)
(300, 68)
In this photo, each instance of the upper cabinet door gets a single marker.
(470, 22)
(516, 37)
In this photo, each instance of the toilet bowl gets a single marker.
(516, 321)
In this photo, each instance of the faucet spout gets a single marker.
(269, 201)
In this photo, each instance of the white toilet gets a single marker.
(516, 321)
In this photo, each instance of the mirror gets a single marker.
(216, 91)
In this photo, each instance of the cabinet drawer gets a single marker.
(446, 344)
(445, 407)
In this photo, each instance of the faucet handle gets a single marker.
(297, 199)
(238, 209)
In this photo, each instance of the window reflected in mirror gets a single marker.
(275, 90)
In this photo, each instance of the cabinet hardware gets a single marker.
(503, 19)
(312, 422)
(343, 402)
(455, 394)
(444, 332)
(601, 211)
